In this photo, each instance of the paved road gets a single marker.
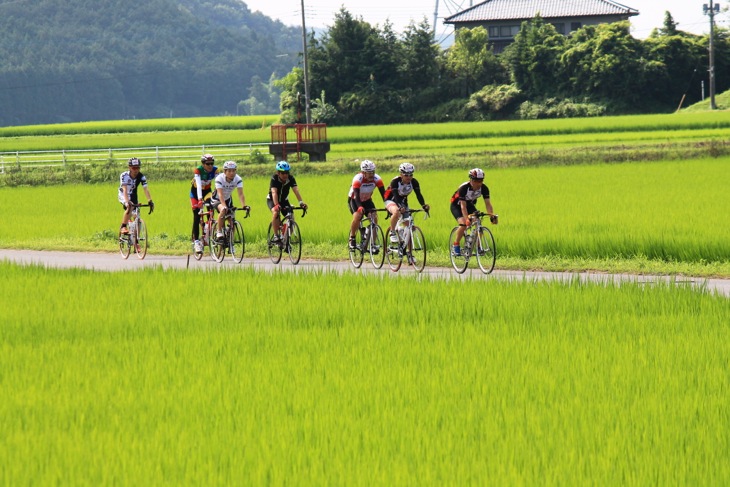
(113, 262)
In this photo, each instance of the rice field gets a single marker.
(671, 212)
(275, 379)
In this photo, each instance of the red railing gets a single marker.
(294, 135)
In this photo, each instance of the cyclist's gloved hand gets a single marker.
(426, 207)
(198, 205)
(152, 206)
(276, 207)
(360, 209)
(494, 219)
(247, 208)
(303, 205)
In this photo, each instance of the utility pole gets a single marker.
(308, 111)
(711, 10)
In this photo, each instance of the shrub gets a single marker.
(559, 108)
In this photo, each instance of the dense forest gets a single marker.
(78, 60)
(360, 73)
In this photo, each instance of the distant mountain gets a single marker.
(78, 60)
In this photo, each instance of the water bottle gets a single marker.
(206, 229)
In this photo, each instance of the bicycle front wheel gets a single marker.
(356, 252)
(417, 249)
(293, 243)
(124, 244)
(459, 262)
(217, 249)
(140, 244)
(274, 247)
(377, 246)
(237, 241)
(486, 250)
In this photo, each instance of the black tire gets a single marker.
(140, 247)
(393, 253)
(293, 243)
(237, 242)
(124, 246)
(459, 263)
(417, 249)
(356, 253)
(217, 249)
(377, 246)
(274, 248)
(486, 251)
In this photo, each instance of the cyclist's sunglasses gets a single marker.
(207, 163)
(283, 172)
(478, 180)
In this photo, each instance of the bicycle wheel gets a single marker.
(274, 247)
(140, 246)
(217, 249)
(459, 262)
(417, 249)
(124, 246)
(486, 250)
(356, 253)
(293, 243)
(237, 241)
(394, 254)
(377, 246)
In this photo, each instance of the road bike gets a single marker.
(478, 241)
(233, 240)
(206, 229)
(411, 243)
(288, 240)
(137, 237)
(369, 239)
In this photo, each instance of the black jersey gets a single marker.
(282, 187)
(398, 191)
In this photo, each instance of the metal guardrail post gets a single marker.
(17, 158)
(63, 157)
(157, 154)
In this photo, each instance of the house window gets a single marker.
(575, 26)
(560, 28)
(493, 32)
(505, 31)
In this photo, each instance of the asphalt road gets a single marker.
(113, 262)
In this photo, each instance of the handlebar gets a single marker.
(304, 210)
(246, 208)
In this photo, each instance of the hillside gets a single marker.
(77, 60)
(722, 100)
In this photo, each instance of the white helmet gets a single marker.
(406, 169)
(229, 165)
(476, 173)
(367, 166)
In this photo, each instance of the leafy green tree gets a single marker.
(471, 61)
(534, 58)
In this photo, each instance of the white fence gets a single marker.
(184, 154)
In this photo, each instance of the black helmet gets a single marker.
(134, 162)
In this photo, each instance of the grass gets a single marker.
(471, 384)
(664, 217)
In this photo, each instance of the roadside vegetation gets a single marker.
(529, 383)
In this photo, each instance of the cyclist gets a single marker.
(396, 196)
(359, 199)
(278, 197)
(129, 181)
(200, 188)
(463, 203)
(224, 184)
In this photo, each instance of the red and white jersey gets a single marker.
(367, 188)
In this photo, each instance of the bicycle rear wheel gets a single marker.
(377, 246)
(417, 249)
(486, 250)
(124, 244)
(237, 241)
(274, 247)
(459, 262)
(217, 249)
(293, 243)
(140, 245)
(356, 253)
(394, 254)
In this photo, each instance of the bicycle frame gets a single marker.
(136, 238)
(411, 243)
(479, 242)
(289, 238)
(233, 238)
(206, 227)
(372, 241)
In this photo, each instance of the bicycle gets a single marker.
(233, 240)
(206, 229)
(137, 237)
(369, 239)
(289, 238)
(479, 241)
(411, 243)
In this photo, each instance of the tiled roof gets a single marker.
(527, 9)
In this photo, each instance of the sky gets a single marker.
(320, 13)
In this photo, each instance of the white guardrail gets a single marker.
(187, 154)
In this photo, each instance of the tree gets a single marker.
(471, 61)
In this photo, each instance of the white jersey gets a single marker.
(227, 186)
(367, 188)
(126, 180)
